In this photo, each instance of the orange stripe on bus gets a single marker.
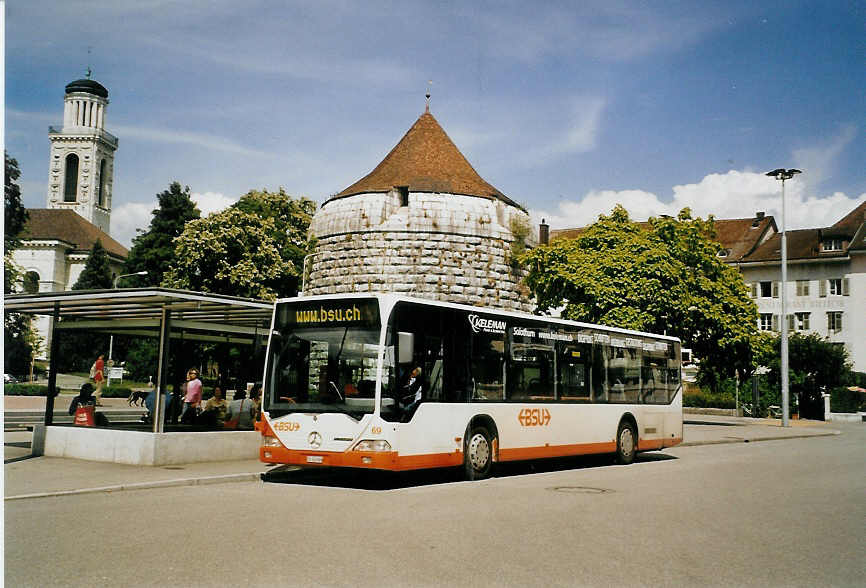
(521, 453)
(360, 459)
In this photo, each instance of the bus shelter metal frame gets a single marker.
(150, 312)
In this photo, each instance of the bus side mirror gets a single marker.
(406, 344)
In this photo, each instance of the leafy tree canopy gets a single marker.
(15, 214)
(96, 274)
(19, 338)
(291, 218)
(661, 276)
(15, 217)
(153, 250)
(254, 248)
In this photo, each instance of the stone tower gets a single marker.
(81, 165)
(422, 223)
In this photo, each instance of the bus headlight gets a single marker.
(268, 441)
(373, 445)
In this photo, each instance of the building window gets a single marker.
(766, 322)
(70, 189)
(802, 287)
(832, 245)
(834, 321)
(404, 195)
(801, 321)
(723, 252)
(100, 187)
(769, 289)
(835, 286)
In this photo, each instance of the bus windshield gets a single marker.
(320, 365)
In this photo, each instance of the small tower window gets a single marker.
(100, 194)
(70, 190)
(404, 195)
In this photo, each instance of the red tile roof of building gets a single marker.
(426, 160)
(69, 226)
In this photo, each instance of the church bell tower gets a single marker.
(81, 166)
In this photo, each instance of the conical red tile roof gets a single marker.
(425, 160)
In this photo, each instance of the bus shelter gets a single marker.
(150, 312)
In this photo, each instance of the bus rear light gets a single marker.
(373, 445)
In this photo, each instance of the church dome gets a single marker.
(87, 85)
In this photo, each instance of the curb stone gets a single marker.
(222, 479)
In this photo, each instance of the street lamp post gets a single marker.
(784, 174)
(111, 339)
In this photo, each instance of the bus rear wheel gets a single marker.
(626, 443)
(478, 454)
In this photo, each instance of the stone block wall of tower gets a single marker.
(445, 247)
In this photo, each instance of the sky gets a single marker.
(566, 107)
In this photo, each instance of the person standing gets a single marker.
(97, 373)
(192, 398)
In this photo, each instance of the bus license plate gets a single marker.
(314, 459)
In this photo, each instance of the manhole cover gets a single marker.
(580, 490)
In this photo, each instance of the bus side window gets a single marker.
(488, 360)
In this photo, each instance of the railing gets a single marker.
(108, 137)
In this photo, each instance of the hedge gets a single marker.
(25, 390)
(845, 400)
(42, 390)
(708, 400)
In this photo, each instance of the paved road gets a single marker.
(776, 513)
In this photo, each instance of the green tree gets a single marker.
(19, 338)
(15, 216)
(96, 274)
(662, 276)
(153, 250)
(814, 365)
(291, 218)
(253, 249)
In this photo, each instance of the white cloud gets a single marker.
(210, 202)
(127, 218)
(197, 139)
(578, 136)
(130, 218)
(735, 194)
(818, 161)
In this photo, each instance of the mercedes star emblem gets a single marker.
(315, 440)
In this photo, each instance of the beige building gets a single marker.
(826, 281)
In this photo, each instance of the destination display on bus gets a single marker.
(329, 313)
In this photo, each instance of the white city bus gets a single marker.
(494, 386)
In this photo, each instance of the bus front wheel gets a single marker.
(626, 443)
(478, 454)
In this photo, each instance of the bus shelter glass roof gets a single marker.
(140, 311)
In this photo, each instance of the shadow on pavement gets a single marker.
(359, 479)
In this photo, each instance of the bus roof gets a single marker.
(392, 299)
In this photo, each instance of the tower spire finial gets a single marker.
(89, 72)
(429, 85)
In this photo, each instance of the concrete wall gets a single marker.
(441, 246)
(138, 448)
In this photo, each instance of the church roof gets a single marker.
(426, 160)
(69, 226)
